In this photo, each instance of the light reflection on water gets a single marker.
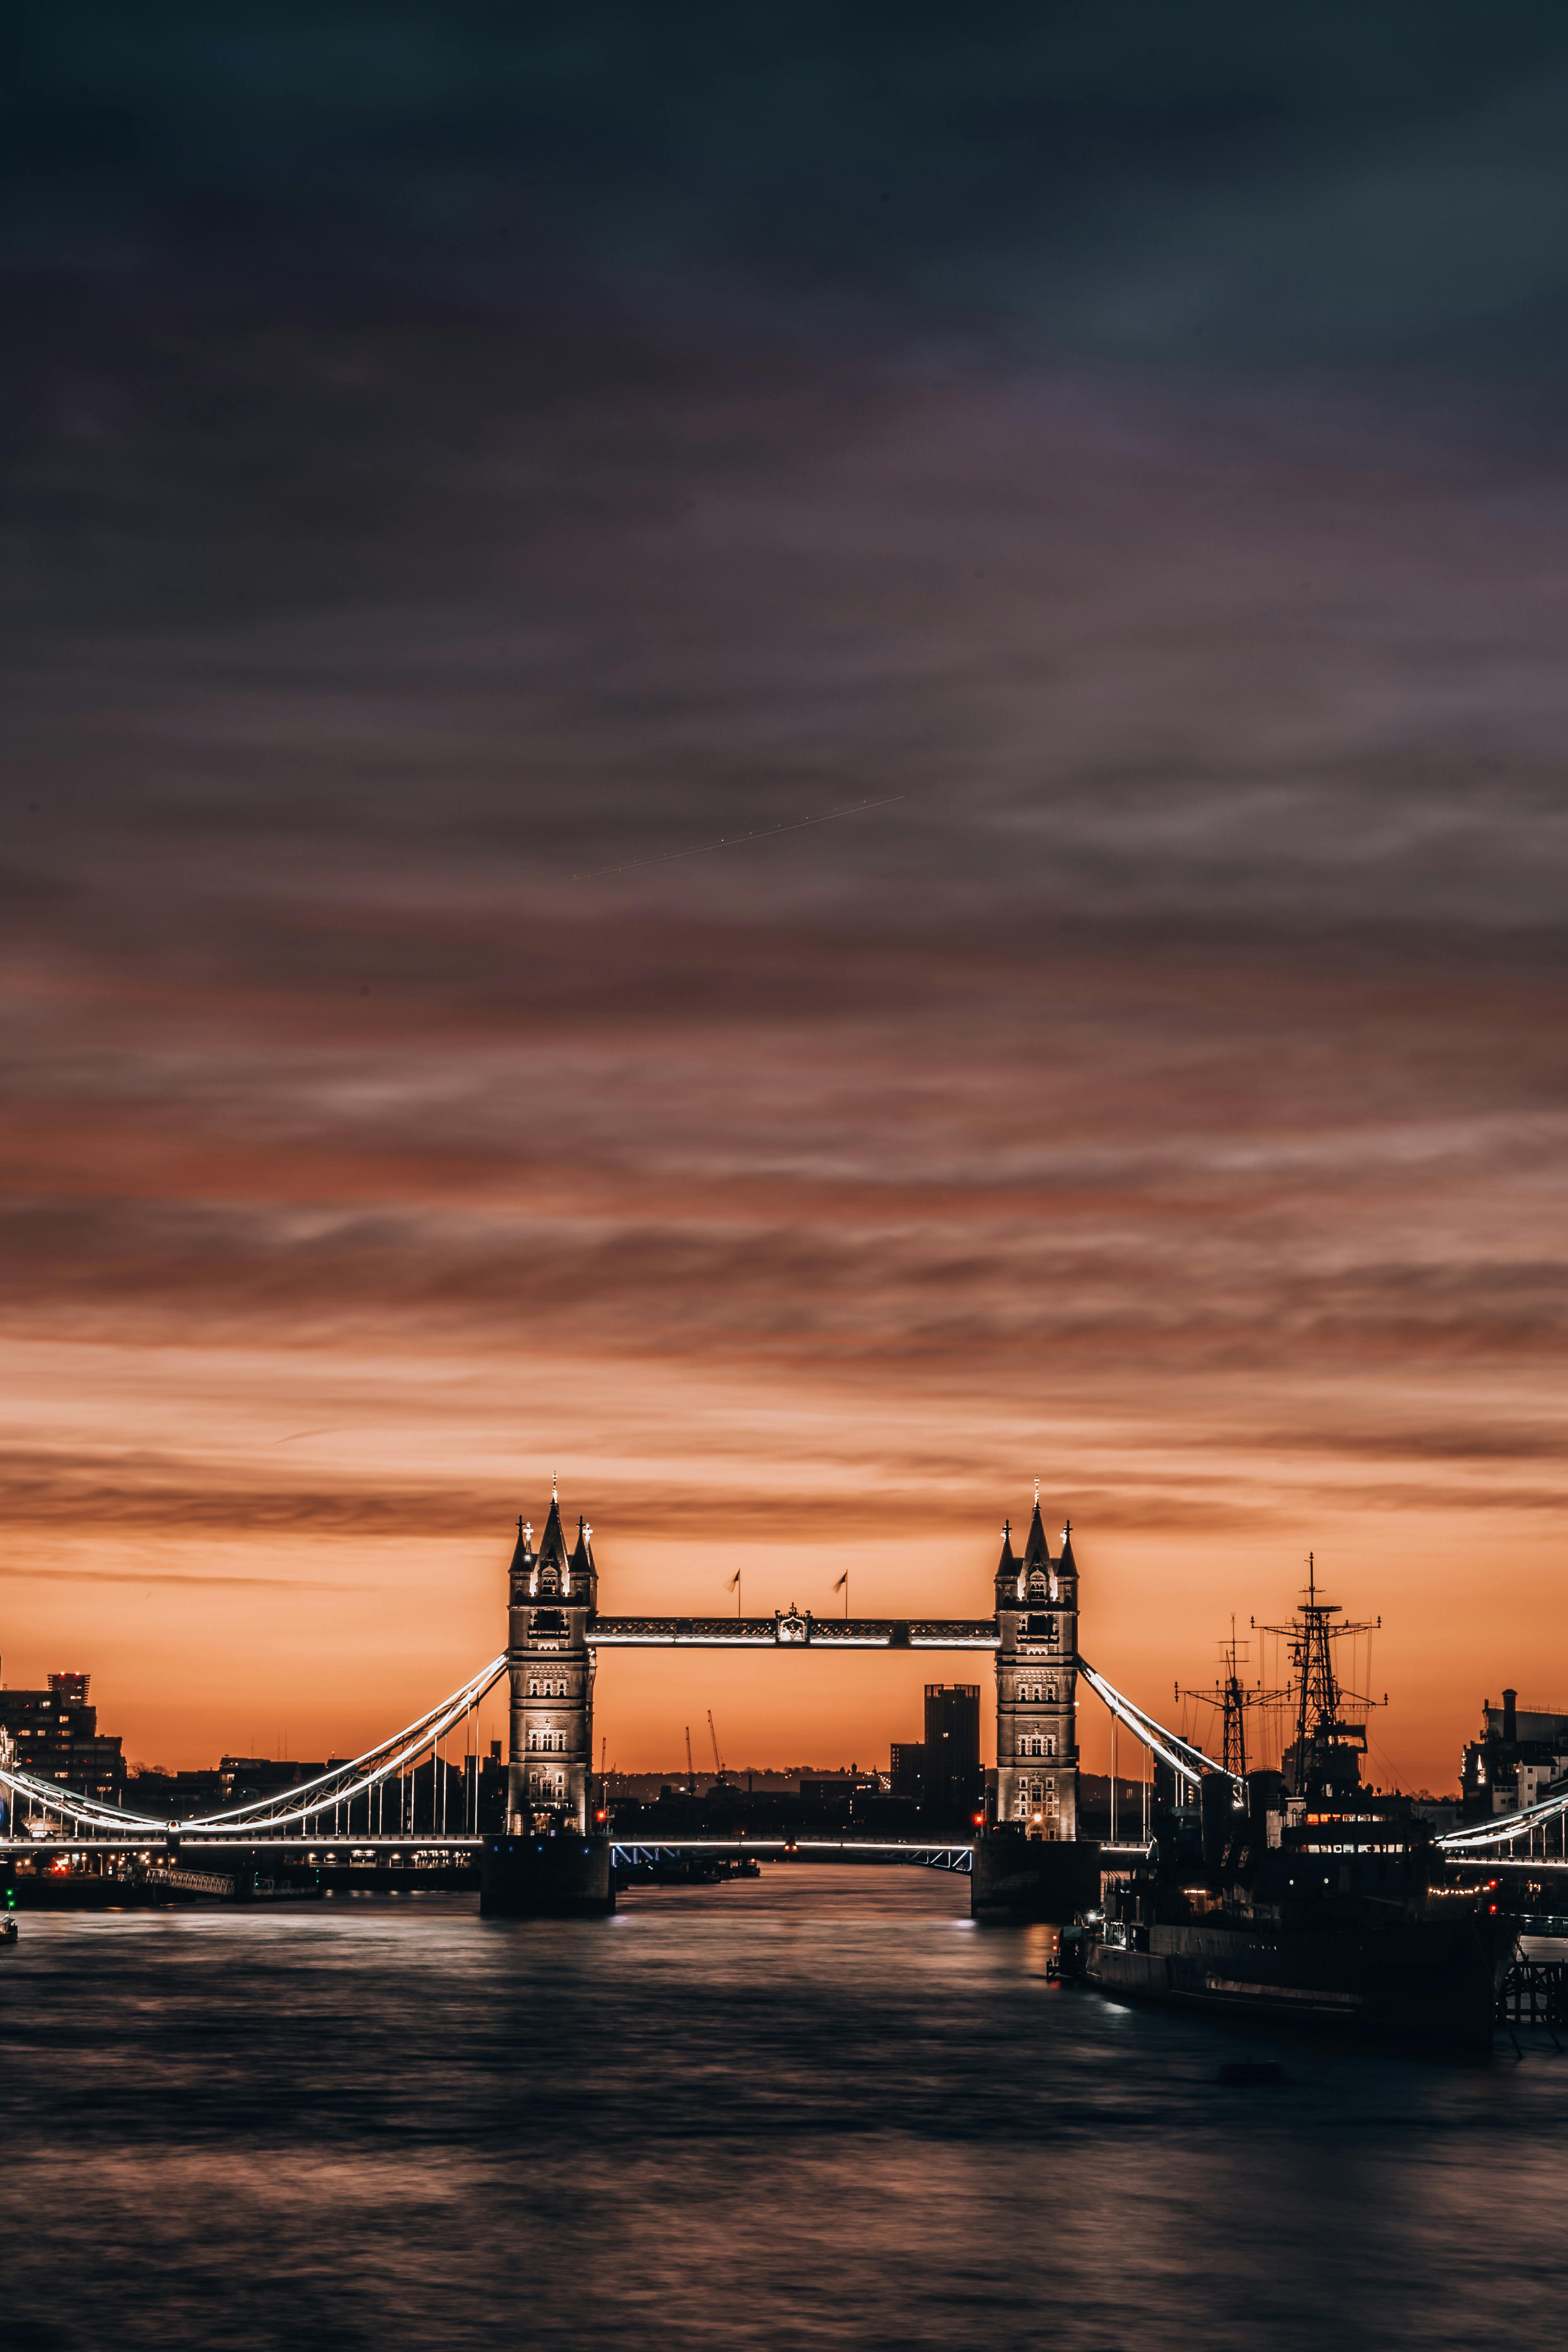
(817, 2109)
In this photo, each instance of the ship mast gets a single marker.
(1232, 1697)
(1324, 1759)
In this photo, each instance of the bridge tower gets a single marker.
(554, 1594)
(1036, 1686)
(553, 1857)
(1030, 1861)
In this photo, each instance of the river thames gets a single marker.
(819, 2109)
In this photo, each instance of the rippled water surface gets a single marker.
(819, 2109)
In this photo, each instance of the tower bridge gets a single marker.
(556, 1632)
(403, 1803)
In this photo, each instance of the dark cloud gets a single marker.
(1304, 180)
(445, 458)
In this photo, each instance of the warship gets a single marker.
(1303, 1894)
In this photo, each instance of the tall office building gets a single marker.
(57, 1739)
(952, 1785)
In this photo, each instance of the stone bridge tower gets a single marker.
(1036, 1686)
(553, 1595)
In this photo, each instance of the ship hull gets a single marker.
(1427, 1979)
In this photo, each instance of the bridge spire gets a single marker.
(552, 1542)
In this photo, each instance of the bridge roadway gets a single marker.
(236, 1842)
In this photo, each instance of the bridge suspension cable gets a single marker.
(355, 1778)
(1186, 1761)
(308, 1801)
(1485, 1835)
(87, 1811)
(336, 1787)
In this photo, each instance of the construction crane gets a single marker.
(718, 1759)
(690, 1774)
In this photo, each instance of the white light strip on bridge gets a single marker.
(421, 1741)
(1197, 1758)
(1507, 1825)
(1189, 1766)
(472, 1691)
(86, 1809)
(264, 1813)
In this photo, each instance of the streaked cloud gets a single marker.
(1145, 497)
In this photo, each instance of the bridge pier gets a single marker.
(553, 1875)
(1018, 1877)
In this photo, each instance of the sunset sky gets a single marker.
(462, 481)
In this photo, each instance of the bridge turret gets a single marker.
(1037, 1685)
(554, 1596)
(1006, 1568)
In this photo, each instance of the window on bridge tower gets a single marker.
(1036, 1586)
(1050, 1744)
(1051, 1694)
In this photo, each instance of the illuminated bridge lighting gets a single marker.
(1485, 1836)
(1189, 1763)
(294, 1807)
